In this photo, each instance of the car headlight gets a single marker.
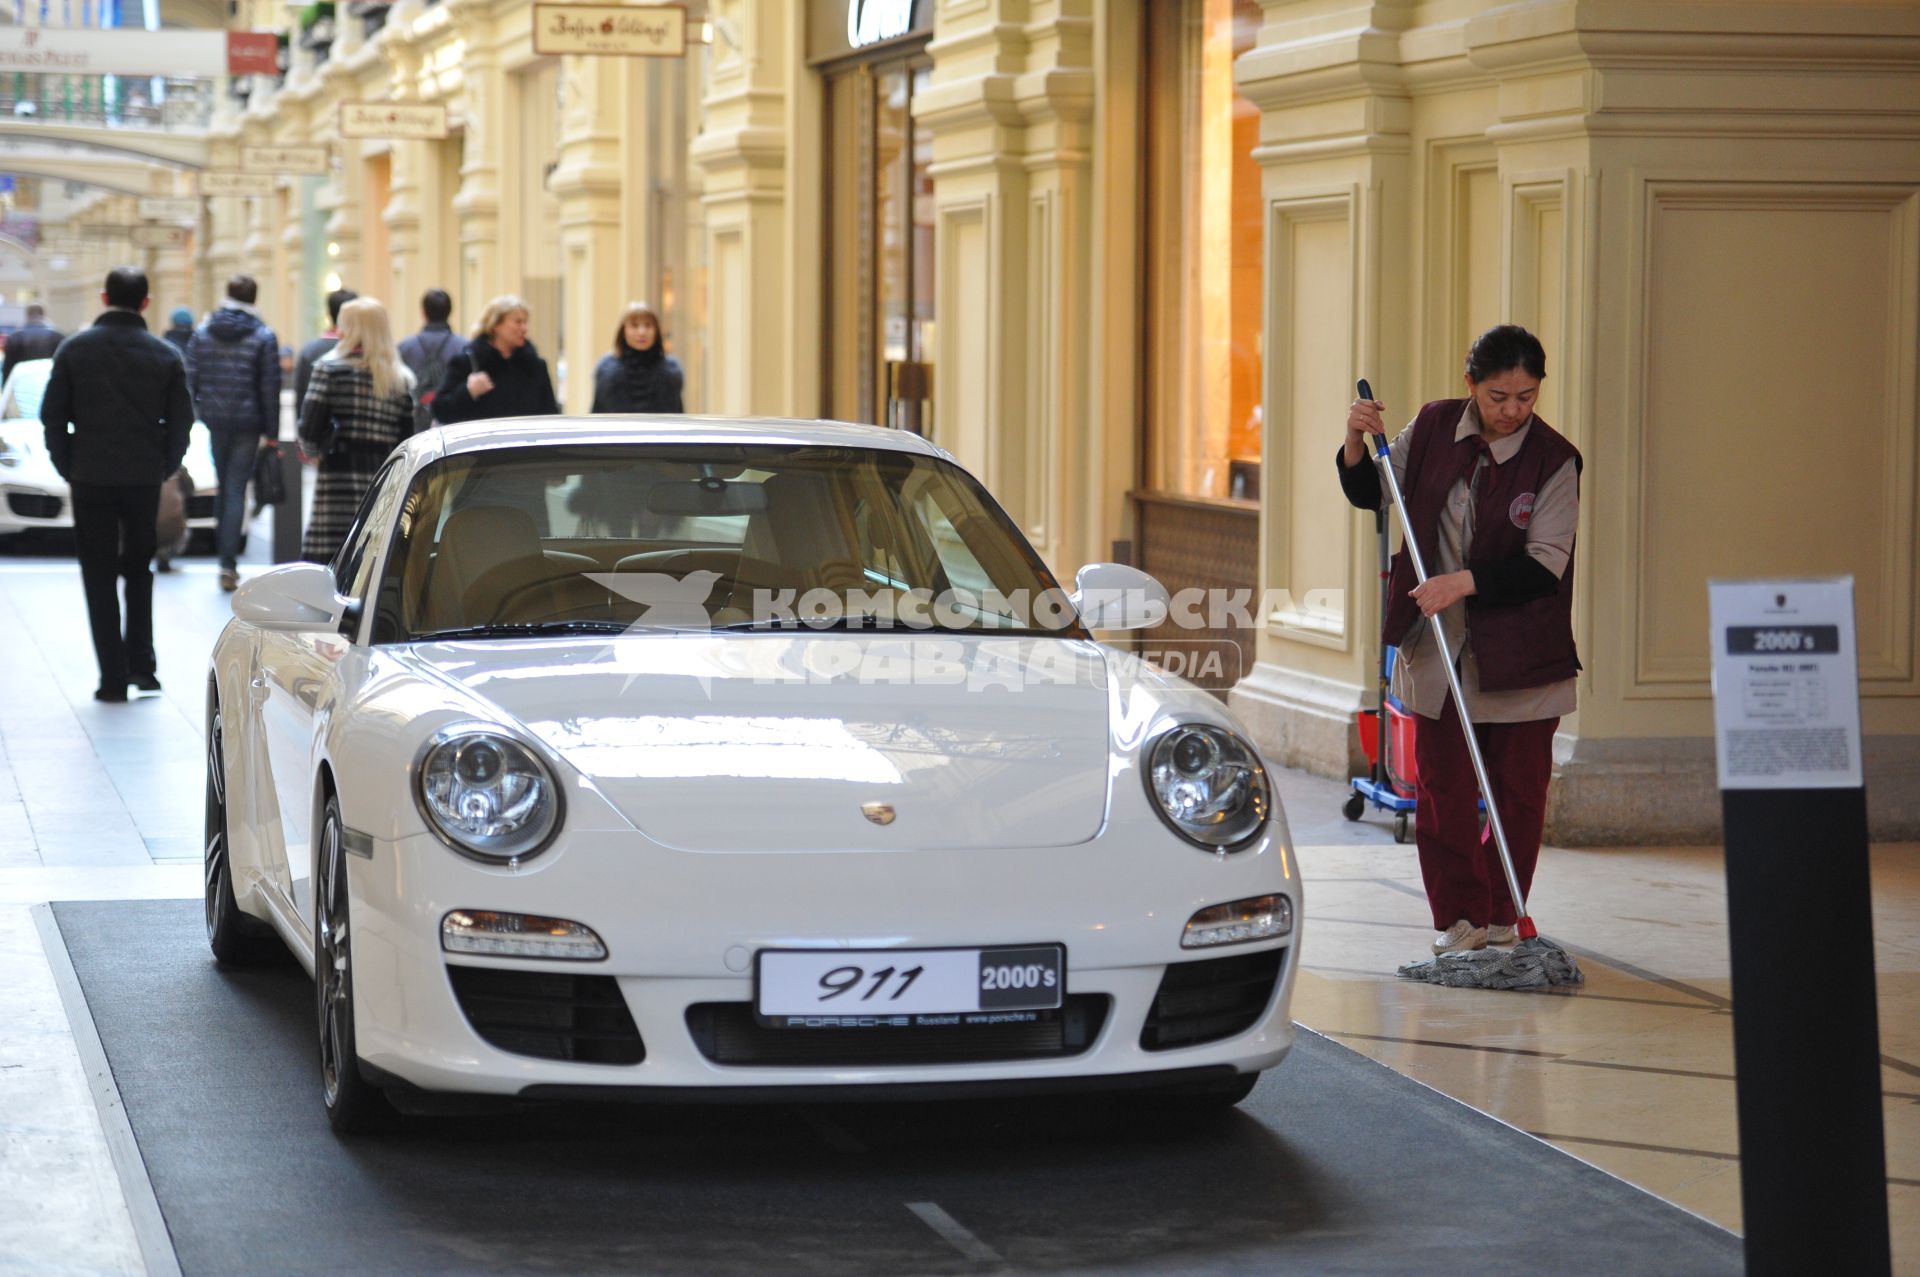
(486, 794)
(11, 455)
(1208, 785)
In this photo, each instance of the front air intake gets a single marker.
(1211, 999)
(582, 1018)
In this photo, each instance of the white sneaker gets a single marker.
(1461, 936)
(1497, 934)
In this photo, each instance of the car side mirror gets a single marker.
(1113, 596)
(295, 597)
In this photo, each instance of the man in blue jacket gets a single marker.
(123, 393)
(233, 370)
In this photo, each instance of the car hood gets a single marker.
(758, 742)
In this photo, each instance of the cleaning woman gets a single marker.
(1493, 494)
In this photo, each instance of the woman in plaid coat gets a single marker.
(359, 405)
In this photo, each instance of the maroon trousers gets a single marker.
(1462, 872)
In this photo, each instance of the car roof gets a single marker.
(528, 432)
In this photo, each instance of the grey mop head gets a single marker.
(1531, 964)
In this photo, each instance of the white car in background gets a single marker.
(32, 493)
(681, 757)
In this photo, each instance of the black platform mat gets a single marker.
(1324, 1169)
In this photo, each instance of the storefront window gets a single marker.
(1203, 322)
(880, 297)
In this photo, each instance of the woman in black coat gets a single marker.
(639, 376)
(499, 374)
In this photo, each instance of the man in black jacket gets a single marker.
(37, 340)
(123, 392)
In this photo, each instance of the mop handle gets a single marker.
(1383, 458)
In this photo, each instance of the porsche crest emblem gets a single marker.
(878, 813)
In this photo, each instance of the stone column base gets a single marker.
(1298, 720)
(1639, 791)
(1632, 791)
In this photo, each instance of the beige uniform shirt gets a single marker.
(1419, 676)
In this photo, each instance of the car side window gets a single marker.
(354, 562)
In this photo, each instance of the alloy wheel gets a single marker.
(333, 954)
(216, 827)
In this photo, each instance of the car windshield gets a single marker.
(688, 537)
(25, 389)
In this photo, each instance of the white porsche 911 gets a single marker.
(680, 757)
(33, 496)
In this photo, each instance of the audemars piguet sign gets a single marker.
(837, 28)
(648, 31)
(91, 51)
(422, 121)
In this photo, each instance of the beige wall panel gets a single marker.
(1475, 266)
(1024, 476)
(1777, 439)
(729, 376)
(1538, 289)
(1311, 262)
(1461, 241)
(965, 361)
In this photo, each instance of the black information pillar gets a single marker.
(286, 514)
(1806, 1037)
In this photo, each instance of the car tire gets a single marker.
(354, 1105)
(237, 939)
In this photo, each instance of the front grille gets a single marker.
(728, 1033)
(34, 505)
(549, 1015)
(1210, 999)
(200, 507)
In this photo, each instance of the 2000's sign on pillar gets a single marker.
(1806, 1032)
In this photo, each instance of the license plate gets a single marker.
(800, 986)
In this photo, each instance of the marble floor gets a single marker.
(1633, 1072)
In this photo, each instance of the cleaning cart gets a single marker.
(1386, 735)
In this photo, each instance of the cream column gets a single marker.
(481, 108)
(589, 183)
(1047, 447)
(980, 234)
(743, 157)
(225, 222)
(1334, 149)
(341, 199)
(406, 161)
(1010, 108)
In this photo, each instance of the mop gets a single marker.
(1535, 961)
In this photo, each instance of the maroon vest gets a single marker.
(1515, 645)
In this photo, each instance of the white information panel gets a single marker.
(1786, 684)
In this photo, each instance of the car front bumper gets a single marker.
(681, 930)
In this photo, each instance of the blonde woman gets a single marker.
(499, 374)
(359, 405)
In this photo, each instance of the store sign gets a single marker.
(838, 29)
(168, 208)
(289, 161)
(233, 182)
(253, 53)
(1786, 684)
(92, 51)
(648, 31)
(871, 21)
(160, 236)
(417, 121)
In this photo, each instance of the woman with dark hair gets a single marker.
(639, 376)
(1493, 496)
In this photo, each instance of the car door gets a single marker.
(302, 672)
